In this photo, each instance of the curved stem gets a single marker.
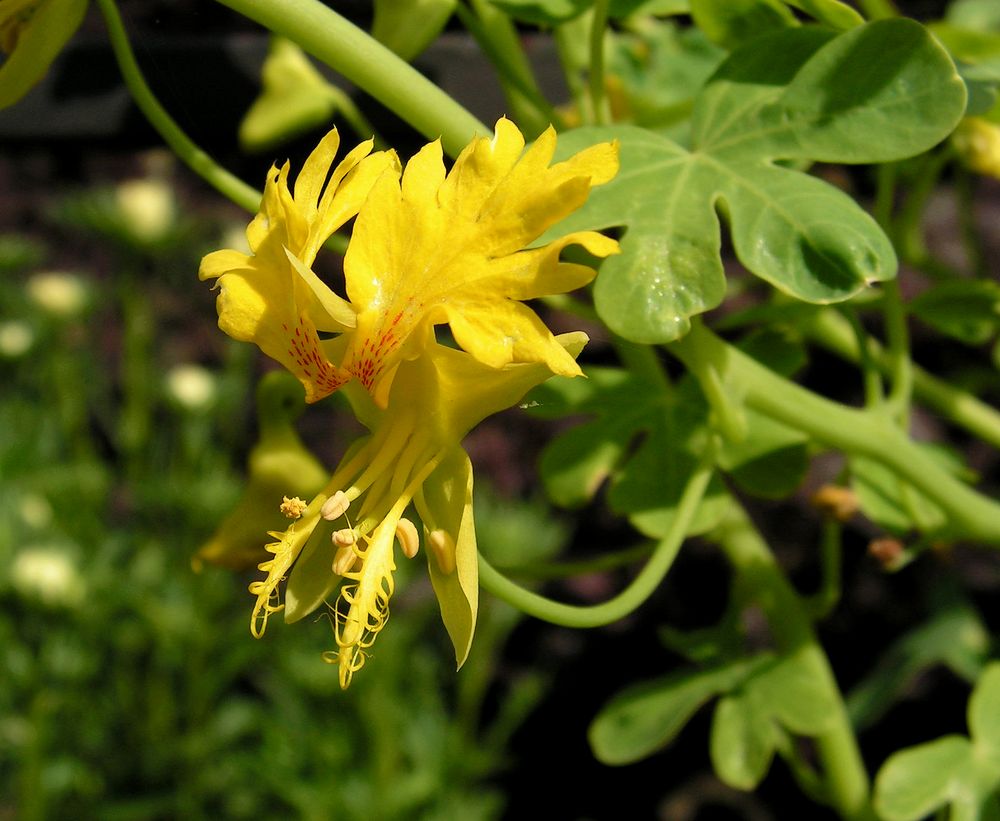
(632, 596)
(201, 163)
(563, 36)
(368, 64)
(970, 514)
(898, 352)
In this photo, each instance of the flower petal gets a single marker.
(433, 249)
(35, 43)
(447, 505)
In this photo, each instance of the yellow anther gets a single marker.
(838, 502)
(406, 534)
(335, 507)
(344, 559)
(292, 508)
(345, 537)
(442, 546)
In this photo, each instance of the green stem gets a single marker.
(831, 331)
(642, 361)
(971, 236)
(908, 233)
(215, 175)
(970, 514)
(893, 310)
(564, 40)
(898, 352)
(631, 597)
(826, 598)
(368, 64)
(874, 396)
(499, 40)
(599, 25)
(843, 769)
(727, 415)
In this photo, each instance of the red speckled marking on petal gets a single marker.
(321, 378)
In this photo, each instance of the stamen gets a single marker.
(292, 508)
(335, 507)
(345, 537)
(442, 546)
(406, 535)
(344, 559)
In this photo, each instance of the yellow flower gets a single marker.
(32, 33)
(428, 248)
(270, 296)
(346, 536)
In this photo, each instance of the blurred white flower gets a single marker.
(16, 338)
(48, 575)
(59, 293)
(191, 386)
(148, 208)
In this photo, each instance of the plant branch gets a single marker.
(831, 331)
(970, 514)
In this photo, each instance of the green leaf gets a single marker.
(916, 781)
(731, 23)
(783, 691)
(954, 635)
(974, 14)
(879, 92)
(770, 462)
(619, 9)
(790, 691)
(661, 69)
(646, 717)
(647, 480)
(984, 712)
(742, 741)
(833, 13)
(294, 98)
(968, 310)
(407, 27)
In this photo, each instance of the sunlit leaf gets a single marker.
(879, 92)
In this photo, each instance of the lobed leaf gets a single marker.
(879, 92)
(742, 741)
(647, 716)
(916, 781)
